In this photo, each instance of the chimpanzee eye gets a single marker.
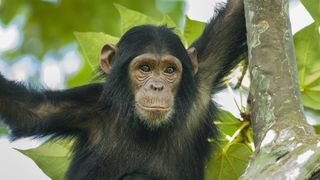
(145, 68)
(170, 69)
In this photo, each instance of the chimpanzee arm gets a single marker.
(38, 113)
(222, 44)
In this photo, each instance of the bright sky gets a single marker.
(14, 165)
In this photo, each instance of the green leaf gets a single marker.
(313, 7)
(313, 78)
(307, 44)
(83, 76)
(3, 129)
(130, 18)
(227, 118)
(317, 128)
(228, 164)
(52, 159)
(311, 99)
(192, 30)
(10, 10)
(227, 123)
(92, 43)
(41, 28)
(170, 23)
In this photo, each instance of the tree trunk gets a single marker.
(286, 145)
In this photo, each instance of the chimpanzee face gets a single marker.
(155, 79)
(157, 64)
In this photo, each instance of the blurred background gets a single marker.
(37, 45)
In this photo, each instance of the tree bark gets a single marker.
(286, 145)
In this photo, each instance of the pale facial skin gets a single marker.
(155, 79)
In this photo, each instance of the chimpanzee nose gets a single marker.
(156, 86)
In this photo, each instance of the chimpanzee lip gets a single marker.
(154, 108)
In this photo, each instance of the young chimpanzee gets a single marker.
(153, 116)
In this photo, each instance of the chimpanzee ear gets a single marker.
(192, 52)
(107, 53)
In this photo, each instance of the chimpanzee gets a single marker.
(152, 117)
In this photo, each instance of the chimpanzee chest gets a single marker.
(116, 159)
(131, 160)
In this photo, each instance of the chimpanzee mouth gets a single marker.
(154, 108)
(154, 116)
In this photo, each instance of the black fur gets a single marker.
(111, 141)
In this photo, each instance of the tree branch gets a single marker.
(286, 146)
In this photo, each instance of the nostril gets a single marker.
(157, 87)
(152, 87)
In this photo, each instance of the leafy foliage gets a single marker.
(91, 45)
(231, 155)
(307, 44)
(3, 129)
(317, 128)
(192, 30)
(313, 7)
(132, 18)
(49, 25)
(229, 162)
(83, 76)
(52, 158)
